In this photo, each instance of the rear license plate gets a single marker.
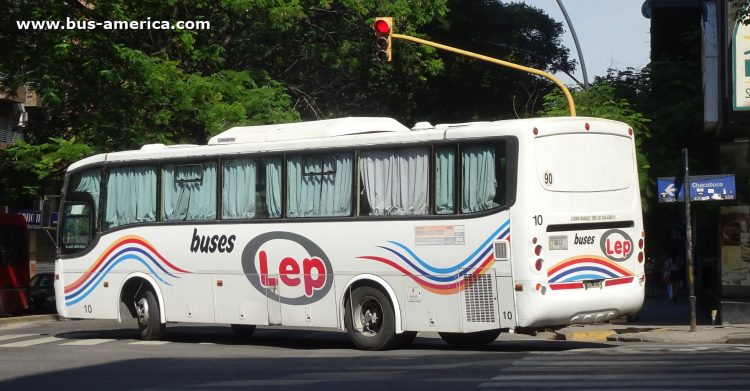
(558, 242)
(597, 284)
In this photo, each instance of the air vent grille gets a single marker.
(501, 251)
(480, 305)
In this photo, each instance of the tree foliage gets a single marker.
(260, 62)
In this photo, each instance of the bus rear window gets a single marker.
(584, 162)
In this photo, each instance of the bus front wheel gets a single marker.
(369, 319)
(149, 316)
(468, 340)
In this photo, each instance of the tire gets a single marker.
(243, 331)
(404, 339)
(470, 340)
(371, 323)
(149, 316)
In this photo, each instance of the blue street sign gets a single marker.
(712, 188)
(702, 188)
(33, 219)
(669, 190)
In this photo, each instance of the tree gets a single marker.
(260, 62)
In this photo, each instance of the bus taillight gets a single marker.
(640, 244)
(640, 257)
(538, 250)
(538, 264)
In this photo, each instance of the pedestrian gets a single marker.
(650, 277)
(665, 274)
(675, 276)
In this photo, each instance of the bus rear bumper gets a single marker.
(562, 306)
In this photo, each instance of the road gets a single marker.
(96, 355)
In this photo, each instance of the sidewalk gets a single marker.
(660, 320)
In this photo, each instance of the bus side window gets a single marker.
(251, 188)
(188, 191)
(483, 177)
(395, 182)
(445, 186)
(319, 186)
(131, 195)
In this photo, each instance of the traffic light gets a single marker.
(383, 28)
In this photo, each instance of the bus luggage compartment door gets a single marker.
(478, 301)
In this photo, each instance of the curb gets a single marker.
(739, 338)
(613, 335)
(31, 319)
(597, 335)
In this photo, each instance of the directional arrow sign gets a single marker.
(702, 188)
(669, 190)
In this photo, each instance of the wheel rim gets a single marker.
(368, 316)
(141, 307)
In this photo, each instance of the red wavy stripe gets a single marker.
(432, 287)
(585, 260)
(570, 285)
(413, 277)
(109, 251)
(618, 281)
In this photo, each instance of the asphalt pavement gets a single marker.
(96, 354)
(655, 352)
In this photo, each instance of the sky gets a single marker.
(612, 34)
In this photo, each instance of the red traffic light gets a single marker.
(382, 26)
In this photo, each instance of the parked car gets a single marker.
(42, 297)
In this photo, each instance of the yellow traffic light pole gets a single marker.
(496, 61)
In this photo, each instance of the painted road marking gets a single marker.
(88, 342)
(13, 336)
(31, 342)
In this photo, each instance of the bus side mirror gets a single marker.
(46, 215)
(49, 204)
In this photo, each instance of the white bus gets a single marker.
(361, 224)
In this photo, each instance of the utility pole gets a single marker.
(689, 240)
(578, 46)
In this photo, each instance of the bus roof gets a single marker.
(345, 132)
(307, 130)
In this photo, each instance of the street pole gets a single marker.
(689, 240)
(578, 46)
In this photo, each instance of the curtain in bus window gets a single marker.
(131, 195)
(189, 191)
(90, 183)
(444, 180)
(320, 186)
(273, 187)
(238, 196)
(479, 183)
(396, 181)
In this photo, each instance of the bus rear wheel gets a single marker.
(470, 340)
(149, 316)
(370, 320)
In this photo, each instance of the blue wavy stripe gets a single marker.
(136, 249)
(449, 270)
(583, 269)
(480, 259)
(583, 277)
(421, 272)
(102, 275)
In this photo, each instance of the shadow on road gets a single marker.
(294, 339)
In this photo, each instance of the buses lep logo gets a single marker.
(288, 267)
(616, 245)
